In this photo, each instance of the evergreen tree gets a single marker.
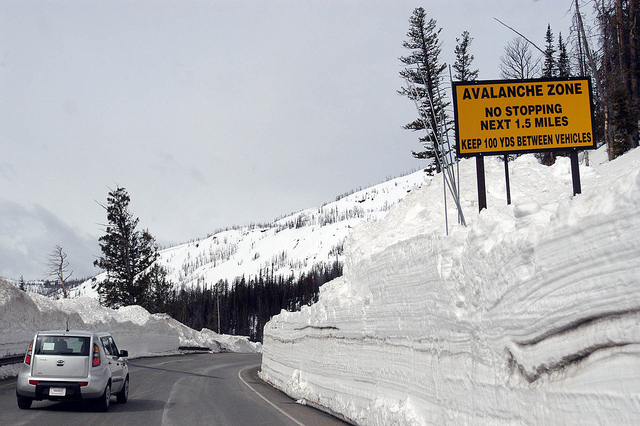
(424, 73)
(126, 254)
(620, 72)
(563, 64)
(157, 287)
(462, 65)
(549, 69)
(549, 64)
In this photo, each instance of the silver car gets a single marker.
(73, 365)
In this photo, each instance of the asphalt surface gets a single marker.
(197, 389)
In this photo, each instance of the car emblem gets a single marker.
(60, 362)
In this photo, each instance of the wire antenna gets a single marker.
(521, 35)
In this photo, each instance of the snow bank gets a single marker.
(134, 329)
(530, 315)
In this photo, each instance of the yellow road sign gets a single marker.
(518, 116)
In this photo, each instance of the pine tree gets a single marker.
(126, 254)
(549, 64)
(549, 68)
(462, 65)
(157, 289)
(553, 67)
(563, 63)
(424, 73)
(620, 70)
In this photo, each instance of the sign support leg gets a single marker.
(482, 190)
(506, 178)
(575, 172)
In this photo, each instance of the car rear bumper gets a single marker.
(73, 390)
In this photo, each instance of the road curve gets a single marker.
(211, 389)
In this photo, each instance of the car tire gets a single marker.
(24, 403)
(123, 395)
(105, 400)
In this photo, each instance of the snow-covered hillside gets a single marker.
(530, 315)
(289, 246)
(135, 329)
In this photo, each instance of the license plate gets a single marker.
(57, 391)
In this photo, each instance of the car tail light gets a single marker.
(27, 357)
(34, 382)
(83, 384)
(96, 356)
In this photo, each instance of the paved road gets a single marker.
(199, 389)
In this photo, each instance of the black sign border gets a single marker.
(455, 84)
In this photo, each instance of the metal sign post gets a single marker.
(575, 173)
(482, 188)
(506, 178)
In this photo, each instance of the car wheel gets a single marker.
(123, 395)
(24, 402)
(105, 399)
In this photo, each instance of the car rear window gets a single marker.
(62, 345)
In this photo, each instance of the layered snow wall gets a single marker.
(530, 315)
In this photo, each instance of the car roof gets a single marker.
(79, 333)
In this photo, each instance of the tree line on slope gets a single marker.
(244, 306)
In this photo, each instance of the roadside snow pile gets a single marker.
(135, 329)
(530, 315)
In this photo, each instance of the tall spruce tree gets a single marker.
(549, 64)
(126, 255)
(549, 69)
(563, 63)
(619, 23)
(158, 289)
(462, 65)
(424, 72)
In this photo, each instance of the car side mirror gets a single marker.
(124, 354)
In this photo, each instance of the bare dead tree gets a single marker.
(517, 62)
(58, 266)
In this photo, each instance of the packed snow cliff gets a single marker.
(135, 329)
(529, 315)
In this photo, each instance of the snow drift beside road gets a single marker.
(530, 315)
(134, 329)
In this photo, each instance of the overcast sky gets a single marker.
(210, 113)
